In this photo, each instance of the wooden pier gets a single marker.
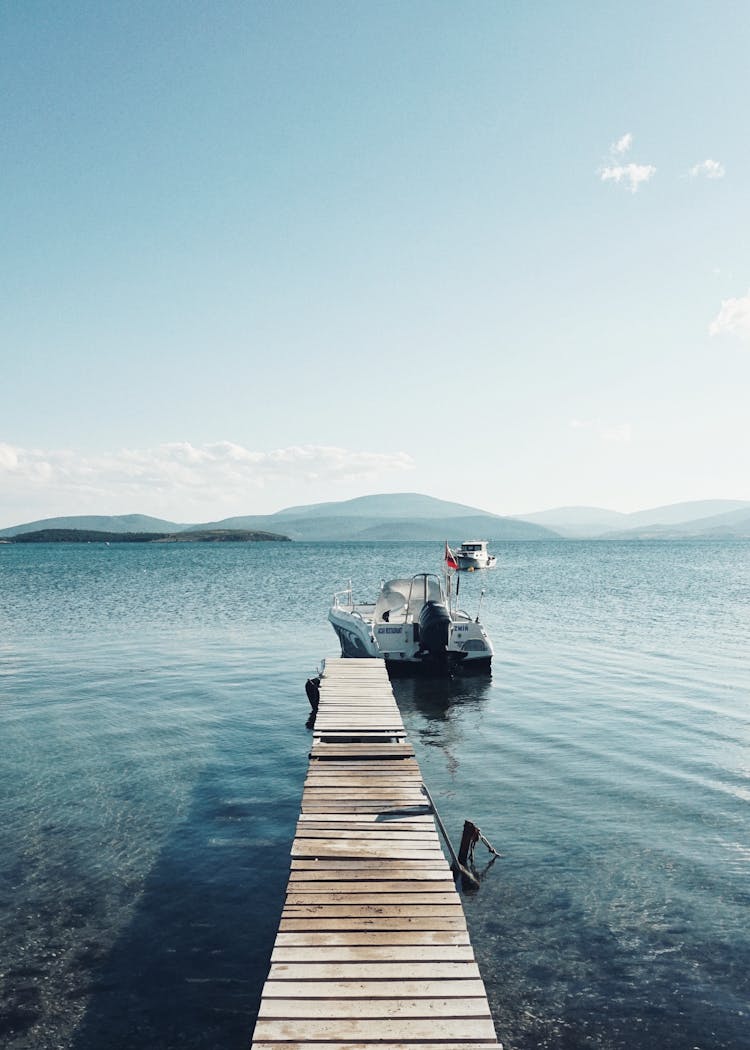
(372, 949)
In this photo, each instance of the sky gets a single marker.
(262, 254)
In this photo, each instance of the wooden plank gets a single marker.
(373, 886)
(376, 750)
(345, 718)
(374, 989)
(377, 769)
(366, 710)
(384, 786)
(413, 815)
(332, 1009)
(363, 767)
(324, 793)
(312, 822)
(315, 875)
(358, 849)
(338, 838)
(358, 736)
(368, 821)
(369, 897)
(321, 953)
(385, 911)
(336, 751)
(399, 839)
(404, 864)
(371, 922)
(399, 835)
(355, 971)
(371, 783)
(373, 805)
(380, 1029)
(315, 822)
(388, 1045)
(329, 776)
(370, 937)
(370, 806)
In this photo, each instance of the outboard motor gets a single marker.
(434, 625)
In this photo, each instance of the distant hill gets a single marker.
(406, 516)
(188, 536)
(579, 522)
(393, 516)
(734, 525)
(676, 520)
(99, 523)
(397, 505)
(684, 513)
(474, 526)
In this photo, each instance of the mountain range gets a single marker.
(708, 519)
(412, 516)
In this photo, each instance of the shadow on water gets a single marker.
(189, 967)
(434, 696)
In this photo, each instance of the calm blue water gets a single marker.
(152, 712)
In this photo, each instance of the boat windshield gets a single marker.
(396, 595)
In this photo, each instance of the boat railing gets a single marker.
(345, 600)
(343, 597)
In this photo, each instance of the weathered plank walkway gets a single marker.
(372, 949)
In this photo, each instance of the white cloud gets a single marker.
(709, 169)
(182, 474)
(8, 457)
(733, 318)
(633, 175)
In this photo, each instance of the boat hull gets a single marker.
(468, 649)
(470, 564)
(352, 643)
(473, 554)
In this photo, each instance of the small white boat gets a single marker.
(473, 554)
(411, 625)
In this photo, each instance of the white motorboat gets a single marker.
(473, 554)
(411, 625)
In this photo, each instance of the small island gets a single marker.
(189, 536)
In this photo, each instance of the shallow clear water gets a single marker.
(152, 712)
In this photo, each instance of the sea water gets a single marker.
(154, 744)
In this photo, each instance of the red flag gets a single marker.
(450, 557)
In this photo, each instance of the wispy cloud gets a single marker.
(631, 175)
(183, 474)
(733, 318)
(708, 169)
(614, 433)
